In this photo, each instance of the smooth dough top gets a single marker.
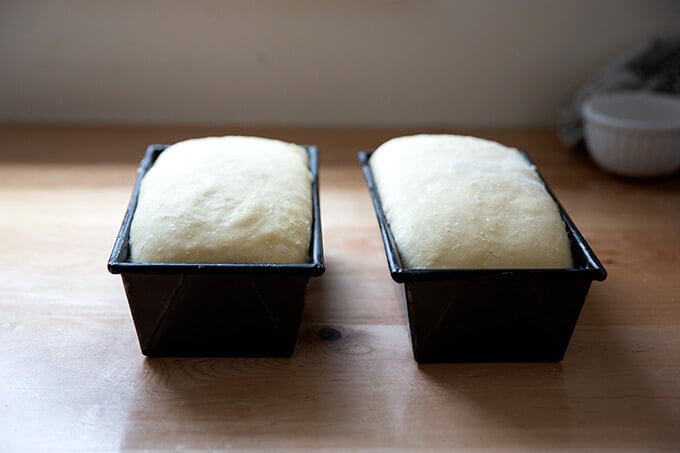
(463, 202)
(225, 200)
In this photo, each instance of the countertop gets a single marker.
(72, 376)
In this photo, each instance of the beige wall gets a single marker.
(421, 62)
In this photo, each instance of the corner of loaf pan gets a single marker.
(216, 309)
(490, 315)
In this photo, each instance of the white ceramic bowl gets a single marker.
(634, 134)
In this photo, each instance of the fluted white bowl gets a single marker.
(635, 134)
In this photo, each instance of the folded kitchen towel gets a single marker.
(651, 66)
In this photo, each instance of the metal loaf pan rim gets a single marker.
(593, 269)
(119, 262)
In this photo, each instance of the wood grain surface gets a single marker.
(72, 377)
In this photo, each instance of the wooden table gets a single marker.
(72, 376)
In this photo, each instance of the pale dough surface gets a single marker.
(464, 202)
(225, 199)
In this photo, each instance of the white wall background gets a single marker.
(345, 62)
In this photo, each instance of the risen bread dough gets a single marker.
(225, 199)
(463, 202)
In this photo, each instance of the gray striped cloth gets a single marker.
(652, 66)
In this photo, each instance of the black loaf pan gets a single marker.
(223, 309)
(491, 315)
